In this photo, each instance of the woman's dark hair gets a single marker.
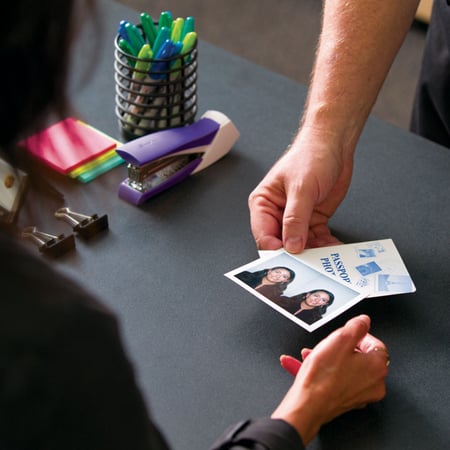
(35, 52)
(253, 279)
(323, 308)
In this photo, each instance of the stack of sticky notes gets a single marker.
(74, 148)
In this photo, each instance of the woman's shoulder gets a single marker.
(249, 278)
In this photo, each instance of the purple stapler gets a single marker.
(159, 160)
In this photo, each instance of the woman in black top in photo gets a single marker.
(308, 306)
(269, 282)
(312, 305)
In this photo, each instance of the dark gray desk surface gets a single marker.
(206, 352)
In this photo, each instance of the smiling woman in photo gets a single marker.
(269, 282)
(307, 306)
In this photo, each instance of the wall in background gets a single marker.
(424, 11)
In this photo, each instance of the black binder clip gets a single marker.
(85, 226)
(48, 243)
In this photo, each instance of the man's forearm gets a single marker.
(358, 43)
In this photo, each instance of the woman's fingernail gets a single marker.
(290, 364)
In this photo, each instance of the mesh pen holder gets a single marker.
(163, 97)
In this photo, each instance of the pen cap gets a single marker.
(156, 89)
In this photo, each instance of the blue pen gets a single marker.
(160, 65)
(176, 62)
(178, 48)
(122, 32)
(162, 36)
(166, 50)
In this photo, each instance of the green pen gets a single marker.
(126, 47)
(135, 36)
(188, 42)
(163, 35)
(165, 20)
(189, 25)
(143, 63)
(149, 28)
(128, 50)
(141, 69)
(177, 29)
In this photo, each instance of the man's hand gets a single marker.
(291, 206)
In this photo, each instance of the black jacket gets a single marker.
(65, 380)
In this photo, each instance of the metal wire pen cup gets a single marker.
(165, 96)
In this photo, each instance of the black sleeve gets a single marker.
(261, 434)
(95, 377)
(65, 380)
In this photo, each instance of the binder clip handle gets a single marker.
(86, 226)
(49, 244)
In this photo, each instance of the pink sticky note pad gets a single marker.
(68, 144)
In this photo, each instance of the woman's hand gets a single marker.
(344, 371)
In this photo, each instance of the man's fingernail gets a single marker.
(293, 244)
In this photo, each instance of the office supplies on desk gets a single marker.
(68, 144)
(49, 244)
(165, 98)
(133, 37)
(156, 85)
(84, 225)
(163, 159)
(92, 169)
